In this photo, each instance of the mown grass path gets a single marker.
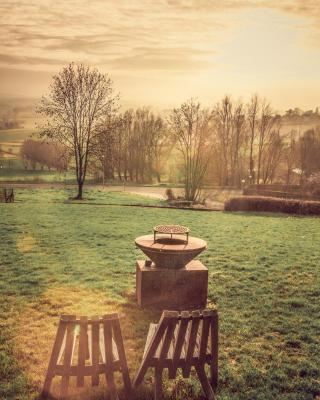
(263, 277)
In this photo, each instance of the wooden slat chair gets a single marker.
(100, 350)
(185, 340)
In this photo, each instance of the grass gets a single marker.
(20, 175)
(65, 258)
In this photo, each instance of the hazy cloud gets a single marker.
(156, 40)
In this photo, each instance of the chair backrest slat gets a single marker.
(95, 350)
(206, 322)
(82, 350)
(181, 336)
(122, 355)
(195, 321)
(107, 329)
(173, 319)
(158, 336)
(68, 353)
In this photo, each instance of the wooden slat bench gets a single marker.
(7, 195)
(185, 340)
(100, 350)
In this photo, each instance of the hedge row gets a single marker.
(270, 204)
(284, 195)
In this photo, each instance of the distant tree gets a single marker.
(50, 155)
(309, 151)
(191, 126)
(290, 155)
(252, 116)
(78, 101)
(265, 125)
(272, 155)
(29, 153)
(132, 148)
(104, 146)
(230, 139)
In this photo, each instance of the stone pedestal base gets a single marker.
(172, 289)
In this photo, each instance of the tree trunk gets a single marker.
(80, 191)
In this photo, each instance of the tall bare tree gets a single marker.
(192, 130)
(230, 140)
(252, 117)
(79, 99)
(265, 124)
(290, 155)
(273, 153)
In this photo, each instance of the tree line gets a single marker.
(230, 143)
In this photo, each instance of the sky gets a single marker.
(159, 53)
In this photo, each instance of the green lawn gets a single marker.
(20, 175)
(68, 258)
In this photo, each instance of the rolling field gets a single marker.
(264, 275)
(8, 136)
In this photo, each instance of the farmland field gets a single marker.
(14, 135)
(264, 275)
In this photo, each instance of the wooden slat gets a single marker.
(151, 332)
(95, 331)
(195, 315)
(173, 342)
(82, 350)
(62, 348)
(122, 356)
(181, 336)
(149, 354)
(173, 319)
(214, 349)
(206, 322)
(88, 369)
(68, 356)
(54, 357)
(115, 355)
(108, 356)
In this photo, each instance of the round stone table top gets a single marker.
(174, 245)
(170, 253)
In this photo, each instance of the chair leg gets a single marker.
(214, 375)
(127, 384)
(158, 389)
(111, 385)
(205, 382)
(46, 387)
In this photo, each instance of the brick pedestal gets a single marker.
(172, 289)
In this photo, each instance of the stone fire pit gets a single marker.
(171, 279)
(169, 252)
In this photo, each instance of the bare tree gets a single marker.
(290, 155)
(230, 140)
(272, 156)
(50, 155)
(265, 124)
(191, 128)
(309, 152)
(79, 99)
(252, 117)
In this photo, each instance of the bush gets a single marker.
(313, 184)
(170, 195)
(270, 204)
